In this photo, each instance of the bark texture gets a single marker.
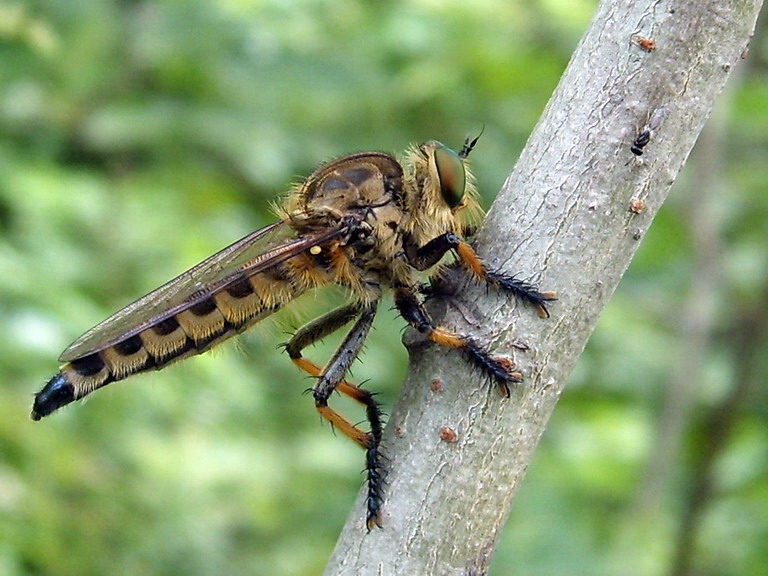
(458, 451)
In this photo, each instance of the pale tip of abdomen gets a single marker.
(57, 393)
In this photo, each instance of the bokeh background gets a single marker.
(138, 137)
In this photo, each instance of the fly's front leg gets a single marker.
(429, 254)
(499, 370)
(331, 378)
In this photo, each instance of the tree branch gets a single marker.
(562, 219)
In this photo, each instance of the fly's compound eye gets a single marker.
(451, 174)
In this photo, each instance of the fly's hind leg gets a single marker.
(331, 378)
(499, 370)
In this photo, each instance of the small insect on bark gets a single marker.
(637, 205)
(366, 222)
(645, 135)
(645, 44)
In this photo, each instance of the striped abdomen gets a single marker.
(226, 311)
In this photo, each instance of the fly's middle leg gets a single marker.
(331, 378)
(499, 370)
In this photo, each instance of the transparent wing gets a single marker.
(255, 253)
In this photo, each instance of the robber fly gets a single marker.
(366, 222)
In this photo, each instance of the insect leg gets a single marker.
(331, 378)
(429, 254)
(414, 313)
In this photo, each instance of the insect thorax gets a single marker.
(399, 207)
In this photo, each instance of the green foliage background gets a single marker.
(138, 137)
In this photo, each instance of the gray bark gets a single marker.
(562, 220)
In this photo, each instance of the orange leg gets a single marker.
(519, 288)
(331, 378)
(337, 420)
(499, 369)
(426, 256)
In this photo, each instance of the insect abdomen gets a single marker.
(225, 312)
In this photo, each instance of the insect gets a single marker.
(637, 205)
(645, 135)
(366, 222)
(646, 44)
